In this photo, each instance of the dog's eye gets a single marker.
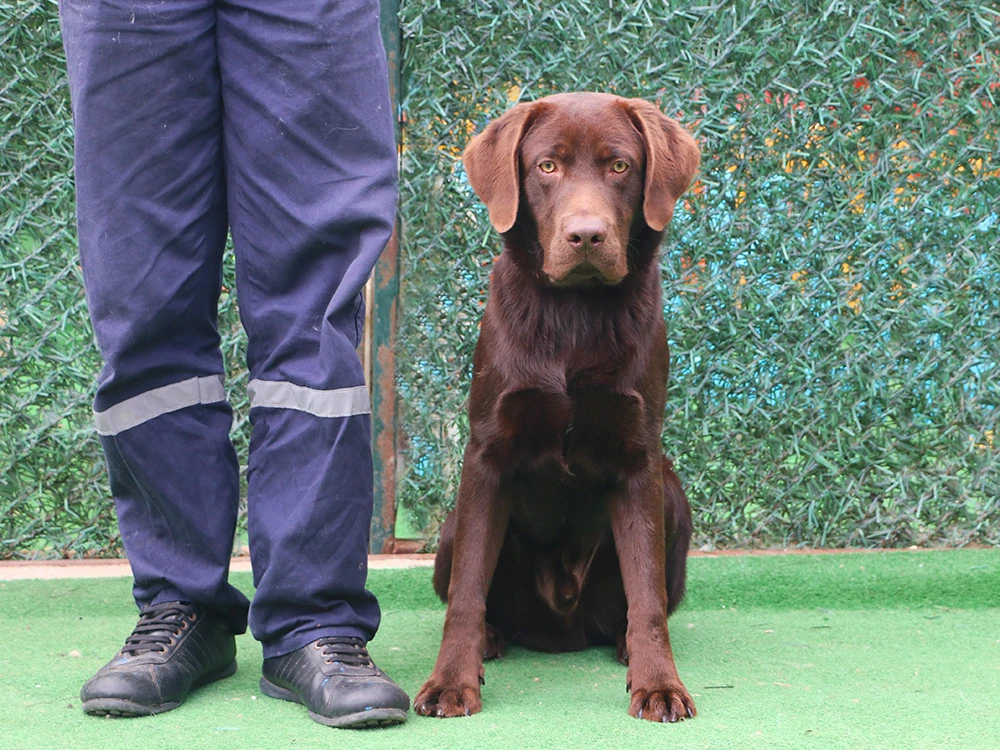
(619, 166)
(548, 166)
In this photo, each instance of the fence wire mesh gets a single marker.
(54, 499)
(830, 281)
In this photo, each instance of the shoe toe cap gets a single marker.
(361, 694)
(138, 685)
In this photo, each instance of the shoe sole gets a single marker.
(123, 708)
(375, 717)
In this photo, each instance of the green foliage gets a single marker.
(830, 282)
(49, 456)
(54, 499)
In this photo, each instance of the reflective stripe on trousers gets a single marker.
(339, 402)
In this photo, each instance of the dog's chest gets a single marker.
(583, 433)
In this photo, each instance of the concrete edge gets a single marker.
(15, 570)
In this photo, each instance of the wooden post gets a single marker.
(382, 296)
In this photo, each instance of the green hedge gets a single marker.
(54, 498)
(831, 281)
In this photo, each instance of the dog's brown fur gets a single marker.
(571, 527)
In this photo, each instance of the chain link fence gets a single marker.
(54, 498)
(831, 282)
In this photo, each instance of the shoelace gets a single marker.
(350, 652)
(157, 628)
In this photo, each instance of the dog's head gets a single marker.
(585, 172)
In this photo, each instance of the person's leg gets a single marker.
(311, 168)
(152, 223)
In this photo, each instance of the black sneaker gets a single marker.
(339, 684)
(175, 646)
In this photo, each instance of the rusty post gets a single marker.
(382, 295)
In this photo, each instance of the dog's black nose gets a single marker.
(585, 233)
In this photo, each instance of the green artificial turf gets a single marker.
(886, 650)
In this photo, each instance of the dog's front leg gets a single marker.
(638, 526)
(483, 513)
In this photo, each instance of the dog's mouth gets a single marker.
(585, 276)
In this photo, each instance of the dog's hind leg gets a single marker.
(495, 643)
(442, 561)
(678, 526)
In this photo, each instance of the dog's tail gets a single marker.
(677, 518)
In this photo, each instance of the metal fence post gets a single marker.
(382, 294)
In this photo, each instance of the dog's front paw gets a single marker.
(665, 704)
(438, 699)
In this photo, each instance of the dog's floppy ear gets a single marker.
(491, 162)
(671, 160)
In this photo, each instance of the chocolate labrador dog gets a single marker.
(571, 527)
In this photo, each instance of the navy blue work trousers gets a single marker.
(270, 119)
